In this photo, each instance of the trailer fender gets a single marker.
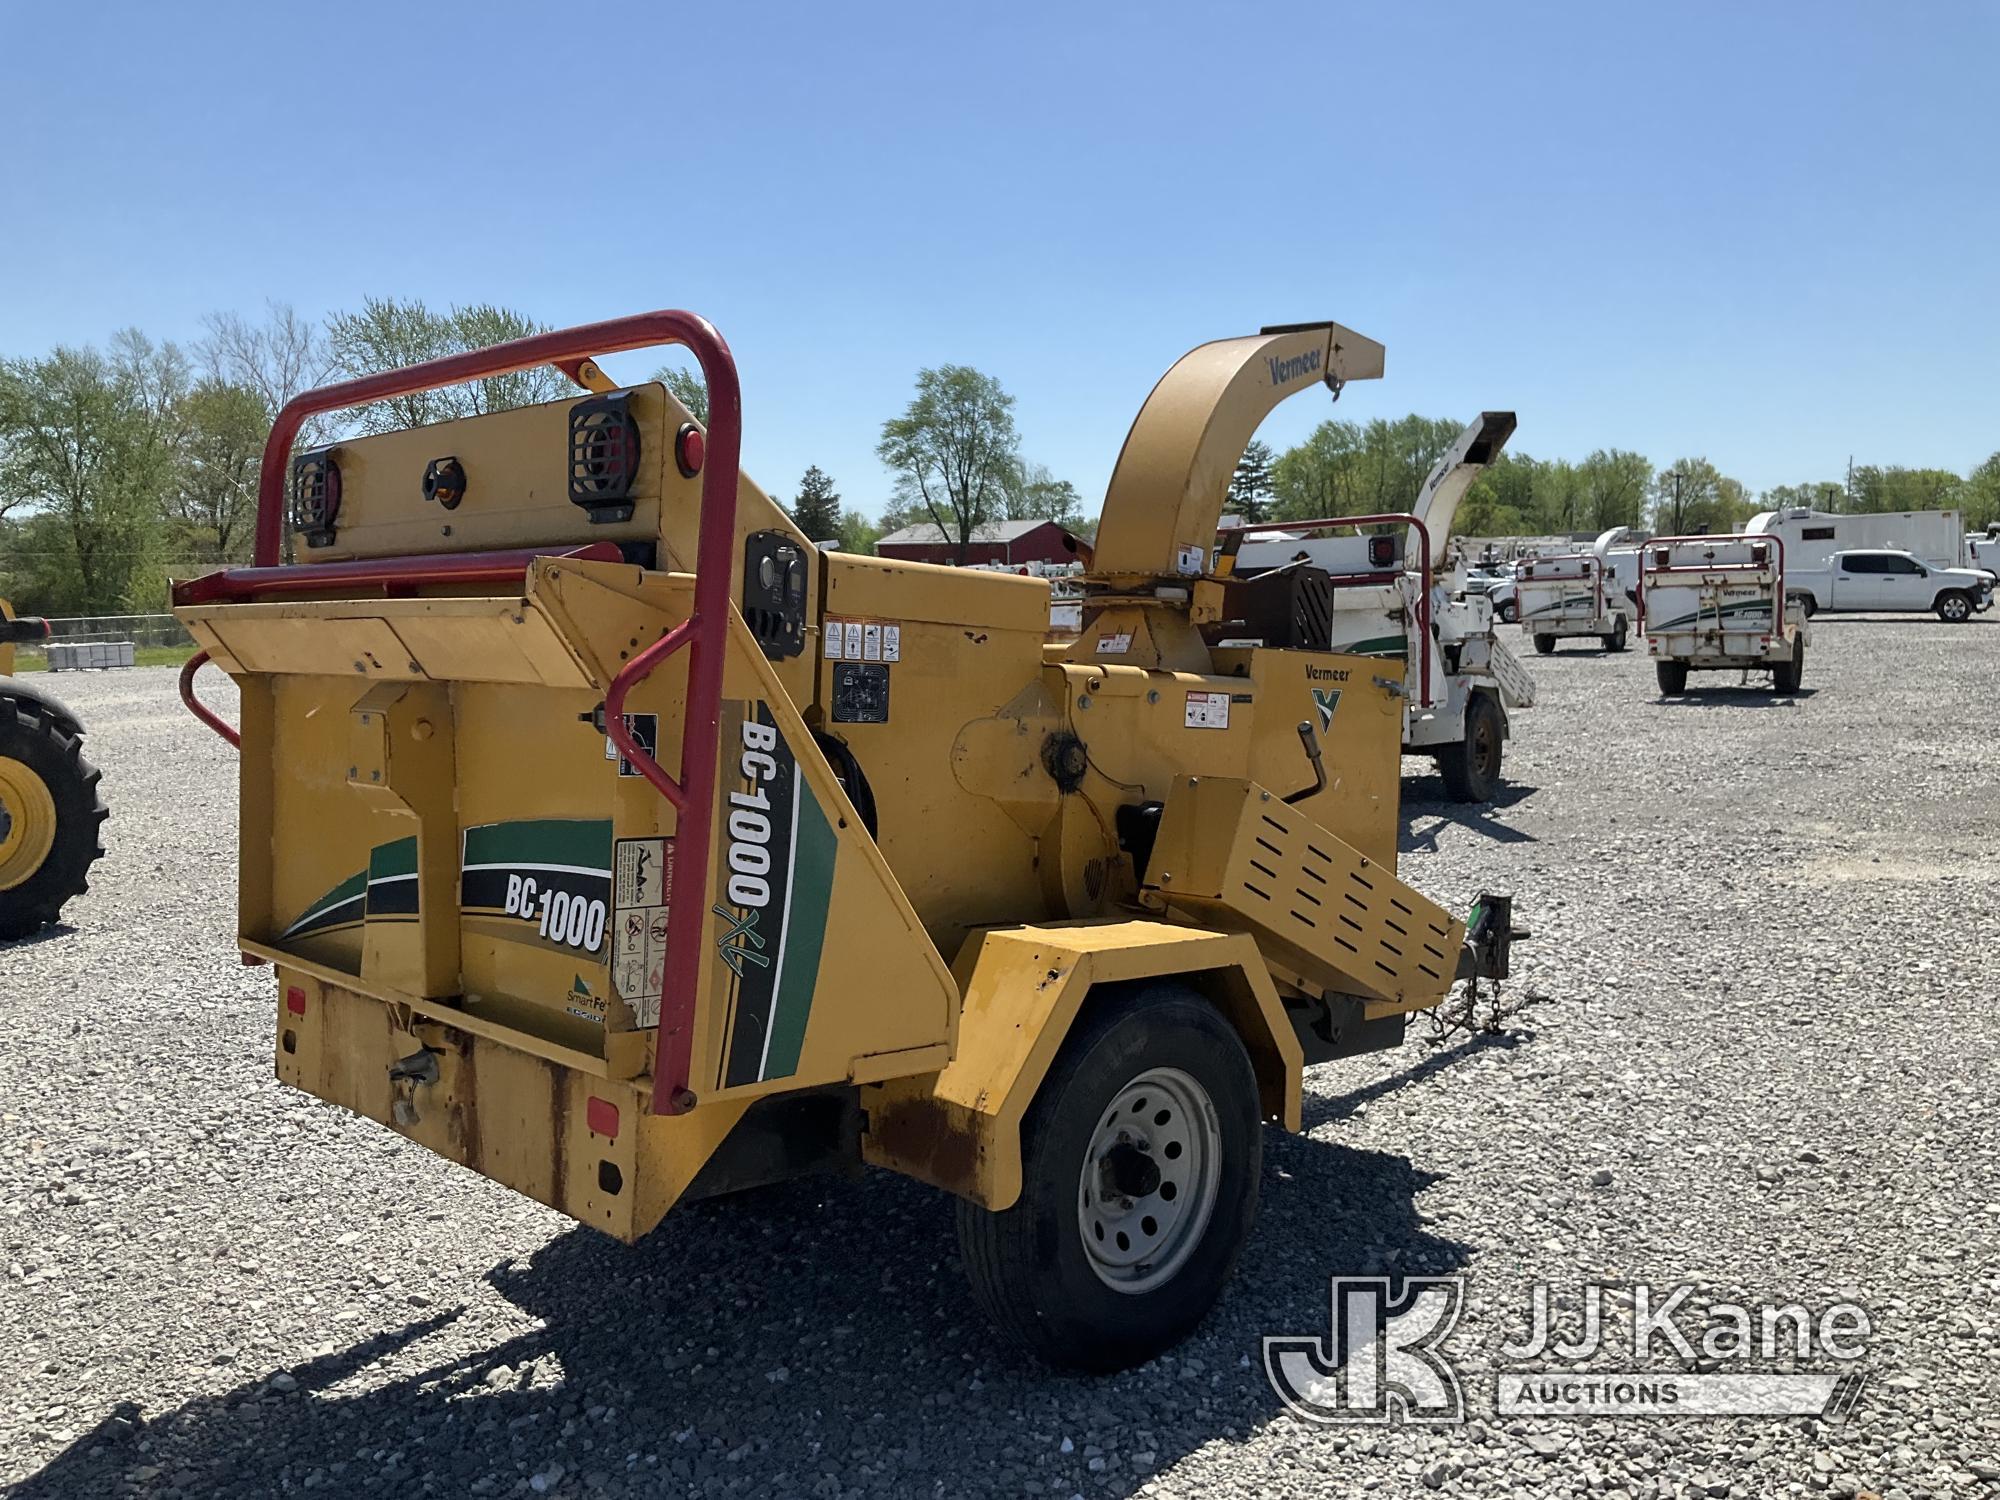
(1024, 987)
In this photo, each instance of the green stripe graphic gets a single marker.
(805, 935)
(583, 842)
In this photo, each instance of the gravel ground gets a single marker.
(1761, 1058)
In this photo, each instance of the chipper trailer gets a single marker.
(1575, 594)
(50, 812)
(610, 839)
(1387, 595)
(1718, 604)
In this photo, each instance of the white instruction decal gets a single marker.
(1115, 644)
(831, 641)
(871, 642)
(892, 643)
(852, 648)
(645, 728)
(1208, 710)
(643, 888)
(1189, 560)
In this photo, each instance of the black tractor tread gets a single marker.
(41, 737)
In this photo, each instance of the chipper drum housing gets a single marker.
(611, 839)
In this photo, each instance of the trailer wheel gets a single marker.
(1140, 1163)
(1471, 768)
(1673, 676)
(1616, 640)
(1510, 612)
(1786, 675)
(49, 815)
(1954, 606)
(1545, 645)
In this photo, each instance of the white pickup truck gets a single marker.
(1887, 581)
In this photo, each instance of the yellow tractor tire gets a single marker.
(50, 815)
(1142, 1157)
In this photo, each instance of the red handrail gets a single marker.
(1778, 593)
(201, 710)
(1423, 597)
(238, 585)
(705, 632)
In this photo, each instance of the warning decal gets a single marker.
(643, 888)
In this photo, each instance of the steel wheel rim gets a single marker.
(27, 822)
(1956, 609)
(1150, 1178)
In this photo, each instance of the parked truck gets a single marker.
(1718, 603)
(610, 839)
(1883, 581)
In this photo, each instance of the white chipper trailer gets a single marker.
(1562, 598)
(1718, 604)
(1388, 595)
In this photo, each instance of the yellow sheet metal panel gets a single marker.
(1023, 989)
(948, 731)
(1230, 854)
(1354, 709)
(815, 967)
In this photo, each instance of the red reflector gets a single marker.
(602, 1117)
(295, 1000)
(690, 447)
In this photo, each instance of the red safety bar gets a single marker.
(1752, 566)
(705, 632)
(393, 575)
(201, 710)
(1423, 597)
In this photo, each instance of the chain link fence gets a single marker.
(141, 630)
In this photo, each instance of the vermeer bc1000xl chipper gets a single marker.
(613, 841)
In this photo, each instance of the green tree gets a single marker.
(1827, 494)
(388, 333)
(1878, 489)
(1614, 483)
(277, 359)
(1982, 495)
(1691, 496)
(213, 498)
(858, 534)
(1319, 477)
(816, 511)
(1250, 489)
(954, 449)
(1038, 495)
(88, 447)
(688, 388)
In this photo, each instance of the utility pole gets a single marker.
(1678, 524)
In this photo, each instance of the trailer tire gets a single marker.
(1154, 1074)
(1787, 675)
(1545, 645)
(1954, 606)
(1673, 676)
(1510, 612)
(49, 817)
(1616, 640)
(1471, 768)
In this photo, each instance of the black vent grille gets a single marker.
(316, 496)
(604, 456)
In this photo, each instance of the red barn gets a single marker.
(1004, 542)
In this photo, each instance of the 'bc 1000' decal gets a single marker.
(548, 880)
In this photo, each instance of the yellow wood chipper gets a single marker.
(612, 840)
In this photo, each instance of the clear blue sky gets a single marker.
(1769, 233)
